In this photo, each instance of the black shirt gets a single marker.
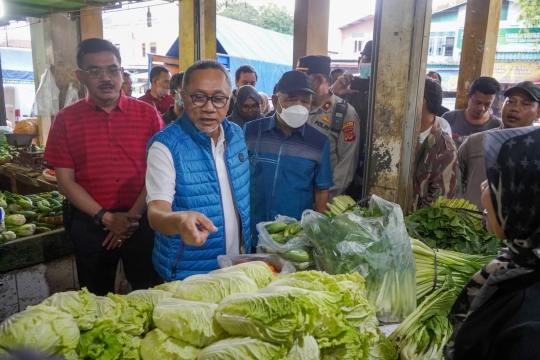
(169, 116)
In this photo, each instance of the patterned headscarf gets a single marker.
(512, 159)
(513, 170)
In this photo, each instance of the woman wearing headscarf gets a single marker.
(265, 103)
(247, 106)
(497, 315)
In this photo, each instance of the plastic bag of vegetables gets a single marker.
(374, 244)
(285, 237)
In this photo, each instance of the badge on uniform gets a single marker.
(241, 157)
(325, 119)
(348, 131)
(327, 105)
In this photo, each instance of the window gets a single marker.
(441, 43)
(153, 48)
(357, 46)
(143, 49)
(449, 46)
(504, 11)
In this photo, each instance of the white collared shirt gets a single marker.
(161, 184)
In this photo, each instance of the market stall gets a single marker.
(382, 289)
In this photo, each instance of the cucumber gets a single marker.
(276, 227)
(296, 255)
(54, 202)
(57, 208)
(42, 207)
(41, 229)
(27, 214)
(40, 224)
(277, 238)
(55, 194)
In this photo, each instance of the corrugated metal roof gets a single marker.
(517, 56)
(17, 9)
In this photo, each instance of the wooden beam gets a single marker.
(186, 38)
(91, 23)
(208, 29)
(401, 37)
(479, 44)
(311, 18)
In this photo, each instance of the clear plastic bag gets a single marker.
(283, 267)
(47, 94)
(3, 131)
(72, 95)
(294, 250)
(375, 245)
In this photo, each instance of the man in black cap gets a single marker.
(521, 108)
(333, 117)
(289, 160)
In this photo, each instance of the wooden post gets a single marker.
(479, 44)
(91, 23)
(311, 18)
(399, 58)
(197, 37)
(54, 42)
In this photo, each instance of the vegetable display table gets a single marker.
(34, 267)
(22, 180)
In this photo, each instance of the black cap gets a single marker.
(367, 49)
(314, 64)
(528, 87)
(294, 81)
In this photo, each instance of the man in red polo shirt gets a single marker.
(158, 94)
(97, 146)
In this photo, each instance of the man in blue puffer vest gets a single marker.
(198, 179)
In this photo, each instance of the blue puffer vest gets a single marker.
(197, 189)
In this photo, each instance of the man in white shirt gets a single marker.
(198, 180)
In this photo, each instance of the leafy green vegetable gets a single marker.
(242, 348)
(171, 287)
(213, 288)
(15, 219)
(425, 332)
(136, 314)
(41, 327)
(99, 343)
(130, 346)
(190, 321)
(304, 348)
(150, 296)
(257, 271)
(81, 305)
(108, 312)
(453, 225)
(380, 348)
(156, 345)
(350, 344)
(309, 280)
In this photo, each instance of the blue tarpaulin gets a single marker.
(17, 66)
(269, 52)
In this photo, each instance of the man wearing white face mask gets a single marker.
(158, 94)
(176, 110)
(289, 159)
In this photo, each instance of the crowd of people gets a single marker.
(171, 180)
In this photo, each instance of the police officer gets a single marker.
(336, 119)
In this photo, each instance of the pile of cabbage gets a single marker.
(240, 312)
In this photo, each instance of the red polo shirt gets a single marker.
(162, 105)
(107, 151)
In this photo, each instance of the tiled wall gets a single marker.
(30, 286)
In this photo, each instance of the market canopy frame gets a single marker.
(20, 9)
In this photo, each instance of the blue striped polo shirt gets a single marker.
(285, 169)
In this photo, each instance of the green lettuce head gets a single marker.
(41, 327)
(213, 288)
(81, 305)
(257, 271)
(242, 348)
(156, 345)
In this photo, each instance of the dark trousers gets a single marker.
(96, 266)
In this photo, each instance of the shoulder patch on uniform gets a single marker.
(347, 125)
(326, 119)
(348, 133)
(327, 105)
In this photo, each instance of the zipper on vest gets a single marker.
(177, 260)
(240, 225)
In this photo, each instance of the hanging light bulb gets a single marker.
(148, 17)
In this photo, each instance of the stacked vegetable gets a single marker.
(29, 215)
(454, 225)
(285, 238)
(242, 312)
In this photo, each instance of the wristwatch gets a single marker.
(97, 218)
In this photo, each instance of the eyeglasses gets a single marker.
(200, 100)
(247, 108)
(97, 72)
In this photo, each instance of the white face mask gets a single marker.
(294, 116)
(161, 92)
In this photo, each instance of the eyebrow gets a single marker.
(216, 92)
